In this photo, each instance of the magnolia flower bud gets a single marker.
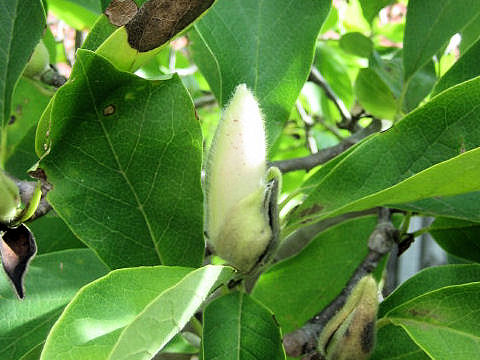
(38, 62)
(237, 222)
(350, 334)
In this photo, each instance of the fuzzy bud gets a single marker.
(350, 334)
(237, 222)
(38, 62)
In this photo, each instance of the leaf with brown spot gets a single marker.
(158, 21)
(17, 247)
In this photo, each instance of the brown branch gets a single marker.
(321, 157)
(205, 100)
(304, 340)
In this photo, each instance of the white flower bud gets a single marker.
(237, 223)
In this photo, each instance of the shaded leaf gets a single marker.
(357, 44)
(140, 311)
(393, 343)
(430, 24)
(458, 237)
(343, 246)
(371, 8)
(17, 247)
(125, 165)
(236, 327)
(259, 43)
(22, 22)
(54, 276)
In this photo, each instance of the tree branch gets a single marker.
(304, 340)
(308, 124)
(321, 157)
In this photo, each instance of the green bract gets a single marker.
(9, 199)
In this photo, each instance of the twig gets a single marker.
(52, 77)
(205, 100)
(317, 78)
(381, 241)
(308, 123)
(322, 156)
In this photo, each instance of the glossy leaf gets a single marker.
(56, 277)
(343, 246)
(429, 280)
(464, 69)
(259, 43)
(131, 313)
(125, 165)
(22, 23)
(237, 327)
(444, 322)
(458, 237)
(420, 157)
(431, 24)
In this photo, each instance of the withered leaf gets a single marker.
(158, 21)
(17, 248)
(120, 12)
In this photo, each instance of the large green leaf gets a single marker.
(52, 280)
(131, 313)
(429, 280)
(22, 23)
(393, 343)
(464, 206)
(236, 327)
(444, 322)
(430, 24)
(465, 68)
(424, 155)
(124, 158)
(259, 43)
(458, 237)
(343, 246)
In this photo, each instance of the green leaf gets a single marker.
(79, 14)
(420, 157)
(371, 8)
(393, 343)
(464, 206)
(444, 322)
(52, 234)
(29, 100)
(125, 164)
(431, 24)
(470, 34)
(131, 313)
(50, 283)
(236, 327)
(259, 43)
(458, 237)
(374, 95)
(343, 246)
(356, 43)
(22, 23)
(429, 280)
(464, 69)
